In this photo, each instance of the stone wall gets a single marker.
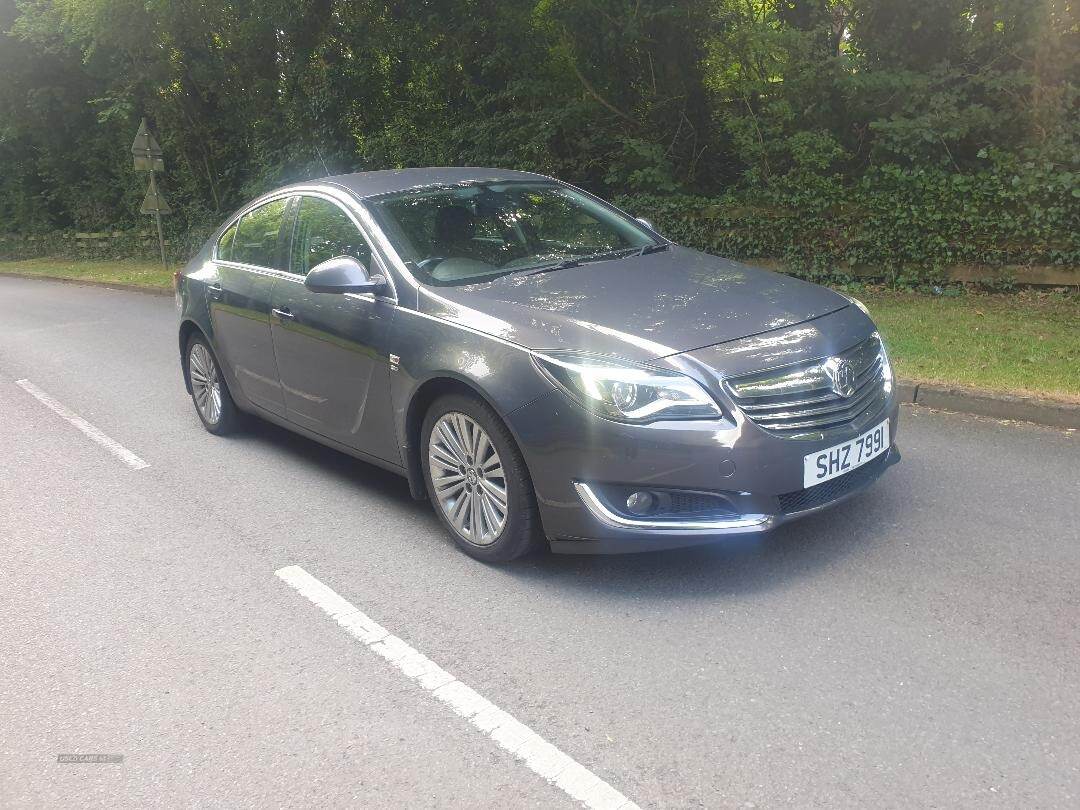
(123, 244)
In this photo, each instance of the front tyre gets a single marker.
(213, 403)
(477, 480)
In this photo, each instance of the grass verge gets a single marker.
(1026, 342)
(121, 271)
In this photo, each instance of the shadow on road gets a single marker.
(733, 565)
(305, 452)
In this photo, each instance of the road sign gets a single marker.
(145, 150)
(148, 157)
(149, 164)
(154, 203)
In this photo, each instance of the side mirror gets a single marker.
(342, 274)
(647, 224)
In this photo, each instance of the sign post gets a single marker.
(148, 158)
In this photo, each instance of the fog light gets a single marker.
(640, 503)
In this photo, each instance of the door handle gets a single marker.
(214, 291)
(283, 314)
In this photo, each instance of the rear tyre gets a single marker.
(213, 403)
(477, 480)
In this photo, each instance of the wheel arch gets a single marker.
(421, 400)
(188, 327)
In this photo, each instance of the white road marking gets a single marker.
(538, 754)
(77, 421)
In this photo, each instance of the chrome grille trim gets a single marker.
(800, 397)
(835, 405)
(830, 397)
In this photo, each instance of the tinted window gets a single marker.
(324, 231)
(474, 232)
(224, 245)
(257, 235)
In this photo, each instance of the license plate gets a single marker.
(845, 457)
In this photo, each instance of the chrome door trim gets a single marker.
(346, 202)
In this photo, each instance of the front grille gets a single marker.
(800, 398)
(821, 494)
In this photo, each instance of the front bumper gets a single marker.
(573, 455)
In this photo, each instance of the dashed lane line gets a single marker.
(79, 423)
(526, 745)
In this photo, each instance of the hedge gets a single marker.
(907, 225)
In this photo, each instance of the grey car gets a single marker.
(541, 366)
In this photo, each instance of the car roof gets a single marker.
(370, 184)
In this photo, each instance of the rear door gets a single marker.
(248, 257)
(331, 349)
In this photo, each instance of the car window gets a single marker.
(324, 231)
(476, 231)
(224, 245)
(256, 237)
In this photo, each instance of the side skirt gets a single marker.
(360, 455)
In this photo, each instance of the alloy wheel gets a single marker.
(468, 479)
(205, 383)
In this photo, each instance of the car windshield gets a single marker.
(469, 233)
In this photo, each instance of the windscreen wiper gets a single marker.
(550, 268)
(645, 251)
(577, 261)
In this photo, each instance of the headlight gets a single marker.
(886, 366)
(628, 392)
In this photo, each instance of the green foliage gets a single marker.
(908, 224)
(909, 134)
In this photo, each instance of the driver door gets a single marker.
(331, 348)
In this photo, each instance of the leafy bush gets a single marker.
(904, 224)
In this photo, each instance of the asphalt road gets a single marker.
(918, 646)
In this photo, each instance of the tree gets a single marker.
(617, 95)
